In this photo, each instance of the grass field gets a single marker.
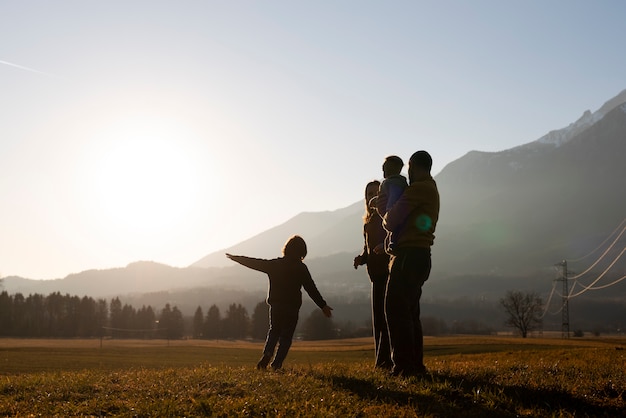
(469, 376)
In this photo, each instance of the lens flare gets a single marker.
(423, 222)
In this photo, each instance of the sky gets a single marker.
(165, 131)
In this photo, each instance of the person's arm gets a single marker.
(393, 194)
(400, 211)
(258, 264)
(382, 198)
(311, 289)
(361, 259)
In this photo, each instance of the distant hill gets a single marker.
(137, 277)
(326, 233)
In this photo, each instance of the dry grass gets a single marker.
(470, 377)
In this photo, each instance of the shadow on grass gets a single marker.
(428, 403)
(443, 395)
(542, 401)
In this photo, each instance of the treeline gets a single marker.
(66, 316)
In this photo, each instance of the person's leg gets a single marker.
(409, 269)
(420, 271)
(379, 321)
(398, 316)
(271, 340)
(289, 321)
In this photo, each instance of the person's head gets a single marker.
(392, 166)
(420, 164)
(295, 247)
(371, 191)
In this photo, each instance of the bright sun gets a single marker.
(144, 179)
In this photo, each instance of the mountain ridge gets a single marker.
(317, 228)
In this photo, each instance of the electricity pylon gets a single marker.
(565, 307)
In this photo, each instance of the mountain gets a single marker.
(326, 233)
(529, 207)
(138, 277)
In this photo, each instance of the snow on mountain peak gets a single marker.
(561, 136)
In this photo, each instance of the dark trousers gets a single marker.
(409, 268)
(379, 322)
(282, 327)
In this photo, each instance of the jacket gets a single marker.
(374, 234)
(286, 277)
(414, 216)
(390, 190)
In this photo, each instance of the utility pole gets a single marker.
(565, 307)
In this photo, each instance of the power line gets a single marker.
(566, 295)
(601, 256)
(565, 306)
(134, 330)
(545, 311)
(590, 287)
(600, 246)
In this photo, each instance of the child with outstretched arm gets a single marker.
(287, 275)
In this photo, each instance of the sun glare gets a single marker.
(144, 179)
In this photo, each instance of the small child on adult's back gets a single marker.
(287, 275)
(390, 191)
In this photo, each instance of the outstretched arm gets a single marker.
(235, 258)
(258, 264)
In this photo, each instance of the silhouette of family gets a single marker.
(398, 230)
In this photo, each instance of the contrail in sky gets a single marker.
(21, 67)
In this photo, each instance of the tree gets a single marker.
(72, 316)
(236, 321)
(87, 324)
(128, 322)
(178, 324)
(18, 315)
(36, 315)
(116, 319)
(523, 310)
(57, 312)
(145, 320)
(171, 322)
(212, 323)
(260, 321)
(6, 305)
(198, 323)
(318, 327)
(102, 315)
